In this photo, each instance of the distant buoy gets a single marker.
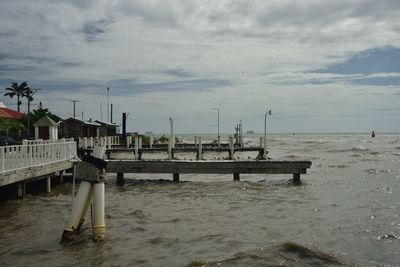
(373, 134)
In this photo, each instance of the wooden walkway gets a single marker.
(208, 167)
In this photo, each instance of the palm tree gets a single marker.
(18, 90)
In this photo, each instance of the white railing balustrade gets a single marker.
(89, 142)
(25, 156)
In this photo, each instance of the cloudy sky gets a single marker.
(320, 66)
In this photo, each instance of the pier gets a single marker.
(207, 167)
(35, 159)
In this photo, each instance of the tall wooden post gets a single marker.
(124, 125)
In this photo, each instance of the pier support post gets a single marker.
(151, 141)
(136, 147)
(48, 184)
(99, 224)
(231, 147)
(62, 177)
(21, 190)
(236, 176)
(176, 177)
(296, 177)
(120, 178)
(170, 149)
(200, 150)
(195, 141)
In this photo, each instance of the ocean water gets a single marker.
(345, 212)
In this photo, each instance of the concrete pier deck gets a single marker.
(234, 167)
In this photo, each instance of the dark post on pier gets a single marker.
(124, 125)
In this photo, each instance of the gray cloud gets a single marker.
(242, 54)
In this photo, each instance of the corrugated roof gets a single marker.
(12, 113)
(105, 123)
(45, 121)
(84, 122)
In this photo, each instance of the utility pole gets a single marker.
(111, 114)
(74, 101)
(30, 98)
(101, 111)
(172, 138)
(108, 105)
(218, 136)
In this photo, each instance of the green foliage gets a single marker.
(10, 125)
(162, 139)
(39, 113)
(21, 90)
(145, 139)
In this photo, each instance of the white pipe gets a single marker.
(99, 224)
(85, 210)
(78, 206)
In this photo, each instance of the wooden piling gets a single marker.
(48, 184)
(62, 177)
(200, 150)
(296, 177)
(120, 178)
(236, 176)
(176, 177)
(232, 148)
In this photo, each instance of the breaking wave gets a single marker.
(286, 254)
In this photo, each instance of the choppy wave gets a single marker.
(354, 149)
(286, 254)
(378, 171)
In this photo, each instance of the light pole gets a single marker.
(108, 108)
(218, 136)
(265, 133)
(171, 121)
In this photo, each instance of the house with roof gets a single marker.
(8, 113)
(107, 128)
(46, 128)
(74, 128)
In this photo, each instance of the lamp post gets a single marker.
(171, 121)
(218, 136)
(265, 133)
(108, 105)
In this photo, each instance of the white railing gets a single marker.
(89, 142)
(41, 141)
(25, 156)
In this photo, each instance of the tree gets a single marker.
(20, 90)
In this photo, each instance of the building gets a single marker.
(107, 128)
(74, 128)
(8, 113)
(46, 128)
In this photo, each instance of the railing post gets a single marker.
(200, 151)
(170, 148)
(2, 159)
(136, 147)
(231, 147)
